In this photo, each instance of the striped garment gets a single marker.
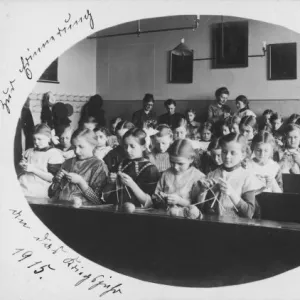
(160, 160)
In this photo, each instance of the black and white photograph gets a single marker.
(163, 149)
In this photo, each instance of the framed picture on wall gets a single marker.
(230, 45)
(50, 74)
(282, 61)
(181, 64)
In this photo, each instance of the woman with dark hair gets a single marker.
(145, 114)
(215, 111)
(93, 110)
(171, 118)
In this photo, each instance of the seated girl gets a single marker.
(39, 164)
(83, 177)
(233, 188)
(235, 124)
(242, 104)
(212, 159)
(136, 178)
(248, 128)
(266, 124)
(277, 129)
(65, 144)
(290, 157)
(179, 184)
(206, 135)
(117, 154)
(159, 155)
(192, 125)
(263, 165)
(102, 148)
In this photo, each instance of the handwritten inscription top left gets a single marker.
(26, 60)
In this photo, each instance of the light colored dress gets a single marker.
(185, 185)
(242, 181)
(271, 168)
(32, 185)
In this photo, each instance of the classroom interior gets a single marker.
(122, 68)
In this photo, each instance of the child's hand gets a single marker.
(173, 199)
(226, 188)
(112, 177)
(60, 174)
(126, 179)
(245, 163)
(74, 178)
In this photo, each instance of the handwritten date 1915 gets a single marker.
(39, 267)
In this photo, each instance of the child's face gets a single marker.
(293, 139)
(276, 124)
(240, 105)
(101, 138)
(89, 125)
(162, 143)
(247, 132)
(225, 130)
(222, 99)
(191, 116)
(41, 141)
(216, 155)
(235, 128)
(206, 135)
(232, 154)
(263, 152)
(133, 148)
(180, 164)
(83, 149)
(267, 117)
(65, 139)
(180, 133)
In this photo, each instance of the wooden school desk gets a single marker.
(150, 245)
(291, 183)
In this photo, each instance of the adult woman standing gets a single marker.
(215, 112)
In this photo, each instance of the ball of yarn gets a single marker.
(77, 202)
(128, 207)
(176, 211)
(191, 212)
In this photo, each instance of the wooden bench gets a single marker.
(291, 183)
(280, 207)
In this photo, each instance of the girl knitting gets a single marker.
(232, 186)
(39, 164)
(242, 105)
(161, 142)
(290, 158)
(137, 177)
(206, 135)
(263, 165)
(179, 184)
(192, 125)
(102, 148)
(65, 143)
(212, 159)
(81, 178)
(117, 154)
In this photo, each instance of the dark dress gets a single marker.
(114, 157)
(142, 171)
(171, 120)
(139, 117)
(26, 125)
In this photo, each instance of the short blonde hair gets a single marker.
(89, 135)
